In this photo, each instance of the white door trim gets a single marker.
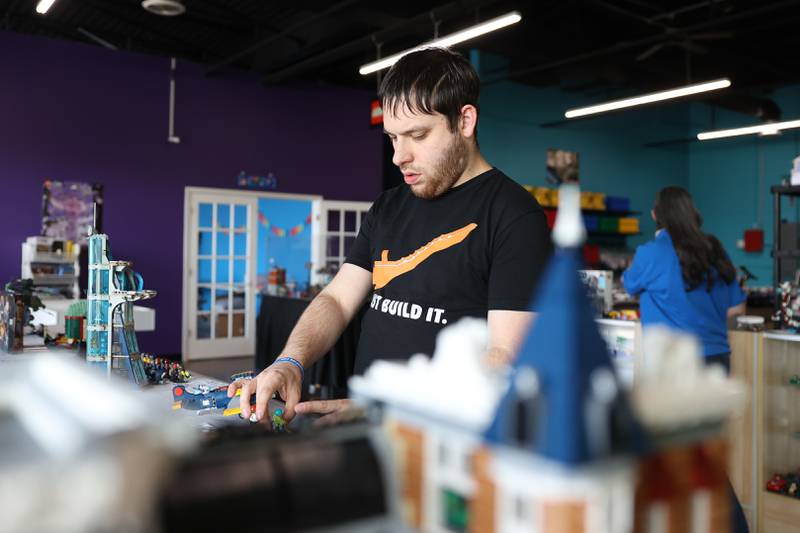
(189, 290)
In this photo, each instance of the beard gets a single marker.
(446, 171)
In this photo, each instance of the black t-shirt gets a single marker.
(480, 246)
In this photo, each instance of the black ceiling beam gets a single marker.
(622, 46)
(257, 22)
(359, 44)
(630, 14)
(135, 24)
(288, 31)
(9, 11)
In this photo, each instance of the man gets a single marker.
(459, 239)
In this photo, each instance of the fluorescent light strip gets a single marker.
(648, 98)
(44, 6)
(447, 41)
(771, 128)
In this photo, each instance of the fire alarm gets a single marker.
(753, 240)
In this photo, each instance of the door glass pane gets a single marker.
(237, 329)
(204, 243)
(204, 270)
(349, 220)
(203, 327)
(223, 242)
(221, 300)
(203, 299)
(238, 300)
(332, 250)
(240, 244)
(348, 244)
(222, 271)
(333, 220)
(223, 216)
(239, 268)
(221, 326)
(240, 216)
(204, 218)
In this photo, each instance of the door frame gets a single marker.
(189, 262)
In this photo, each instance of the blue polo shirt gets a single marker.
(655, 275)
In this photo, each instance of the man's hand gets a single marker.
(333, 411)
(283, 378)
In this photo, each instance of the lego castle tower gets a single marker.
(110, 337)
(555, 444)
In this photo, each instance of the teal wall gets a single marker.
(612, 158)
(730, 178)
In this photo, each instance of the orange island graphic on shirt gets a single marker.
(384, 271)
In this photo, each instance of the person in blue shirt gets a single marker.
(686, 281)
(684, 278)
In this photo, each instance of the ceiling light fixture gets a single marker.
(445, 42)
(165, 8)
(770, 128)
(44, 6)
(649, 98)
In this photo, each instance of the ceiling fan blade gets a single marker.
(649, 52)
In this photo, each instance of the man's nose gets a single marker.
(402, 155)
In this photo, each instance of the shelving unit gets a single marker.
(780, 430)
(51, 269)
(779, 252)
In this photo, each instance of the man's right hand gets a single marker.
(283, 378)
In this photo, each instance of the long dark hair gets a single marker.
(702, 257)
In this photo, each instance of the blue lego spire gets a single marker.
(564, 401)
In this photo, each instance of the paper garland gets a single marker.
(281, 232)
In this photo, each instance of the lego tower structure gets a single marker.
(110, 337)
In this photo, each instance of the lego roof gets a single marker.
(577, 414)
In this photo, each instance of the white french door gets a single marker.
(341, 222)
(219, 273)
(230, 239)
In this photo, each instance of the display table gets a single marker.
(779, 417)
(624, 341)
(765, 437)
(275, 321)
(144, 317)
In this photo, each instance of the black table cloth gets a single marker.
(327, 378)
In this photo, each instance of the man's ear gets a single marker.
(468, 122)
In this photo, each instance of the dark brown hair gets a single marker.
(432, 80)
(701, 255)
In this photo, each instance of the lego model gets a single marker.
(12, 315)
(160, 370)
(788, 313)
(554, 444)
(110, 337)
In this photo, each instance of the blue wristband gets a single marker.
(293, 361)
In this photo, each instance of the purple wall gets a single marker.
(81, 113)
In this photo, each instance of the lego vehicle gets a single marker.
(200, 397)
(777, 483)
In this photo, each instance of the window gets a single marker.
(341, 224)
(456, 510)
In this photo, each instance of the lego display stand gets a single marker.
(780, 421)
(111, 343)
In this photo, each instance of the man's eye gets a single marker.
(419, 137)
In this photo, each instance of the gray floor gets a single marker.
(221, 368)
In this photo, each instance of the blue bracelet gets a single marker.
(293, 361)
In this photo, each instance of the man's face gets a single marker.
(430, 156)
